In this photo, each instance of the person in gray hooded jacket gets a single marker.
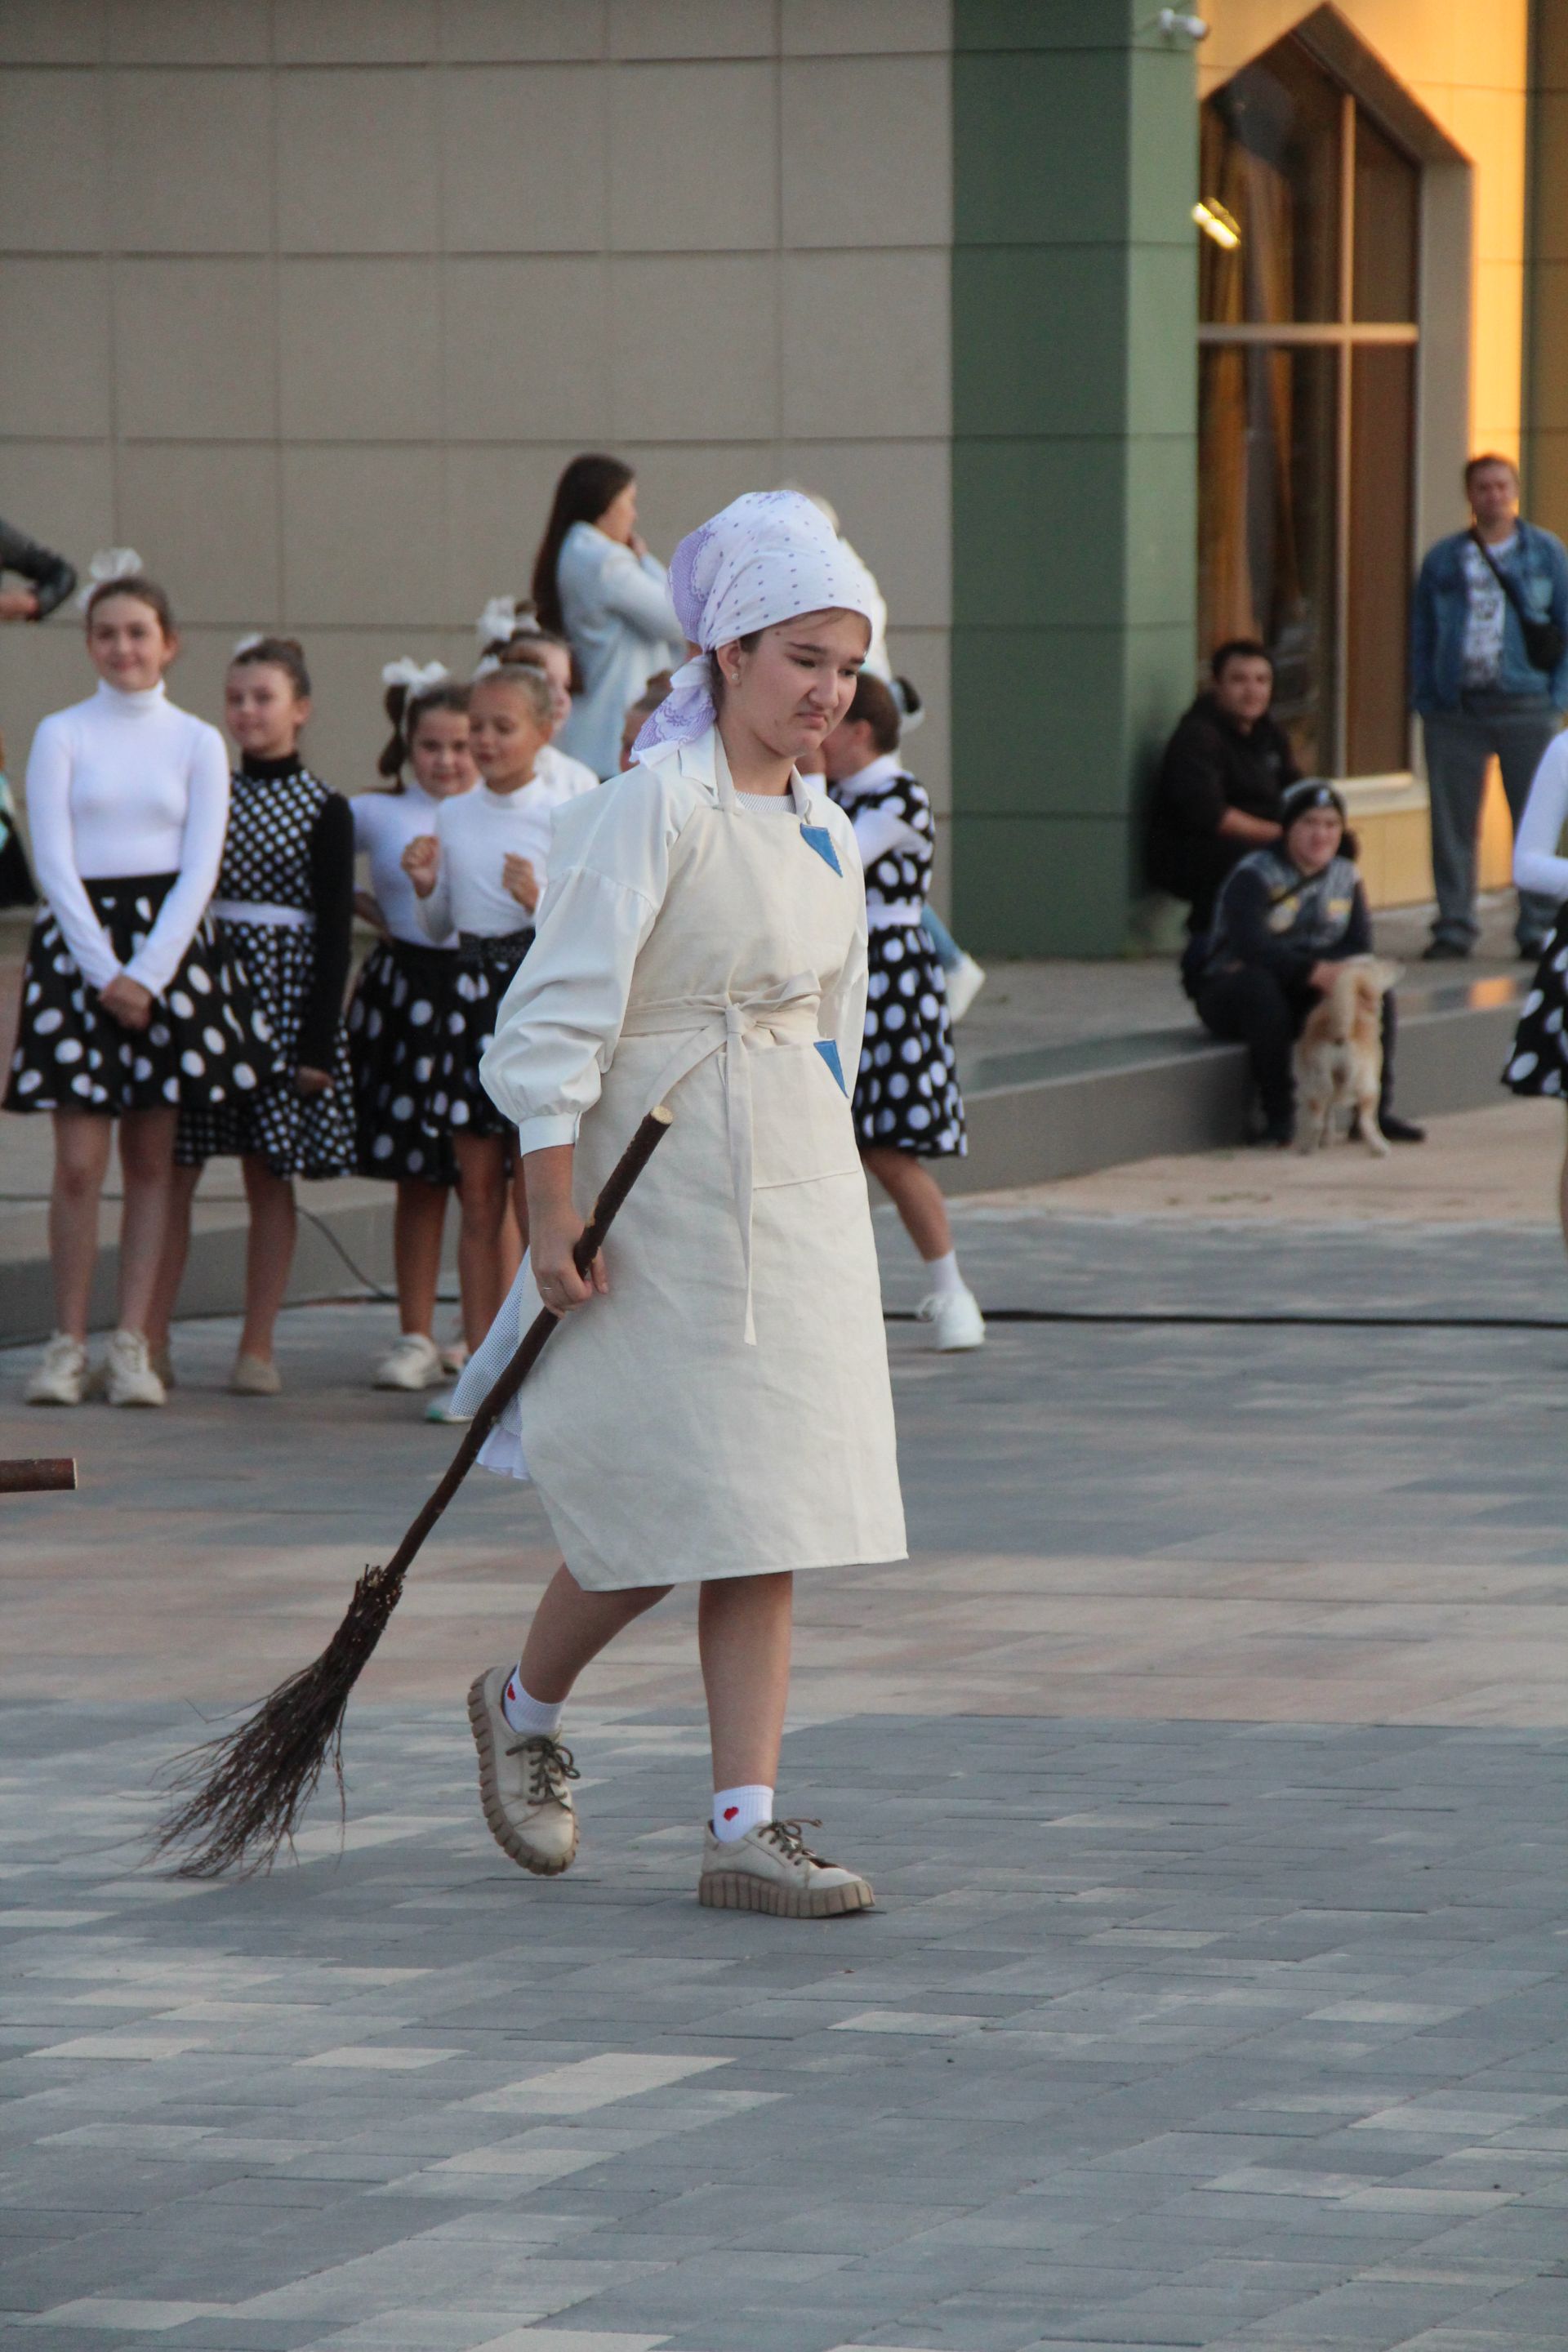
(1286, 916)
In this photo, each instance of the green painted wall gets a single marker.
(1074, 457)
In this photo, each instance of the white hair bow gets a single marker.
(503, 618)
(109, 563)
(405, 672)
(243, 644)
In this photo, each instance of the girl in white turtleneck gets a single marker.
(129, 1007)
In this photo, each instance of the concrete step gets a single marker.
(1067, 1110)
(1062, 1109)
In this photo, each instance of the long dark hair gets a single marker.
(588, 487)
(406, 712)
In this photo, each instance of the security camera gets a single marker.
(1172, 21)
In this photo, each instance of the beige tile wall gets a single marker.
(309, 300)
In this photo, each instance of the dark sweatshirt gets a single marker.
(1211, 765)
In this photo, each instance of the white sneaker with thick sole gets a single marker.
(255, 1376)
(772, 1869)
(963, 984)
(61, 1376)
(412, 1363)
(955, 1320)
(130, 1377)
(524, 1783)
(442, 1408)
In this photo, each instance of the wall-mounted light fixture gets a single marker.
(1180, 23)
(1215, 222)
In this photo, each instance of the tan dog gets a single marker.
(1339, 1055)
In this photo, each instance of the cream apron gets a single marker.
(726, 1410)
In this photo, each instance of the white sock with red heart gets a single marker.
(529, 1716)
(736, 1810)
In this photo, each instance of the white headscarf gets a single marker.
(766, 557)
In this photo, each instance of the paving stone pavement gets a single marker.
(1167, 2034)
(1185, 2020)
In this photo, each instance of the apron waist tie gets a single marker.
(709, 1028)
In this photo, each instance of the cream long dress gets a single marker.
(726, 1410)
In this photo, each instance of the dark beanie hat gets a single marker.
(1311, 792)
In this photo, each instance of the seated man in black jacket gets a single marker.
(1225, 772)
(1287, 916)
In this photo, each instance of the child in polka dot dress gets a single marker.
(908, 1108)
(132, 1008)
(285, 905)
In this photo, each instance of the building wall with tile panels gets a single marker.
(309, 300)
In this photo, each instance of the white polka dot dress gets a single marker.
(1539, 1061)
(907, 1094)
(397, 1024)
(208, 1041)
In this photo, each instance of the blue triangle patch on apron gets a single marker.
(817, 837)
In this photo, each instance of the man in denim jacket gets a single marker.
(1478, 694)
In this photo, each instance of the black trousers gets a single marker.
(1254, 1008)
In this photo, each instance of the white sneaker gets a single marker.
(523, 1783)
(963, 984)
(453, 1356)
(131, 1380)
(443, 1409)
(955, 1320)
(61, 1378)
(412, 1361)
(772, 1869)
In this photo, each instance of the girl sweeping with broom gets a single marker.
(714, 1408)
(716, 1411)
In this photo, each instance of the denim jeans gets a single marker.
(1460, 743)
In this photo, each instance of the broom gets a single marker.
(253, 1784)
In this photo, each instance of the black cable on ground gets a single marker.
(1180, 1316)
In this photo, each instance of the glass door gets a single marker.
(1309, 219)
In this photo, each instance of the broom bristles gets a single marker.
(253, 1784)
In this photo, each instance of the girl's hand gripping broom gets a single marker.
(255, 1783)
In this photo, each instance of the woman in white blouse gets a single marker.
(722, 1417)
(130, 1006)
(1539, 1061)
(595, 583)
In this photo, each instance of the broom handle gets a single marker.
(617, 1184)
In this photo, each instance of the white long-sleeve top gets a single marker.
(561, 1017)
(384, 824)
(477, 831)
(623, 628)
(121, 785)
(1537, 865)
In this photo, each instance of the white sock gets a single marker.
(736, 1810)
(527, 1714)
(943, 1275)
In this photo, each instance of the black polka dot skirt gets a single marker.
(208, 1041)
(906, 1095)
(482, 972)
(396, 1023)
(1539, 1061)
(295, 1134)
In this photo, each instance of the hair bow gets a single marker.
(109, 563)
(243, 644)
(407, 672)
(507, 616)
